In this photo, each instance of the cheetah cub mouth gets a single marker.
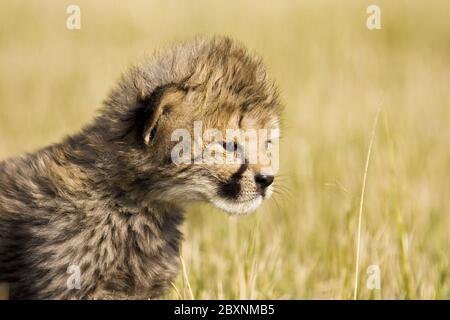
(238, 207)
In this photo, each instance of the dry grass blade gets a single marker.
(186, 279)
(361, 204)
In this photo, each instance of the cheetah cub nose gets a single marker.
(263, 180)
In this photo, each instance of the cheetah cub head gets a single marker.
(199, 122)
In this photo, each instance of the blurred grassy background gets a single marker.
(334, 75)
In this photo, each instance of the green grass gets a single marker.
(334, 74)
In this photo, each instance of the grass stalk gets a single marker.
(361, 204)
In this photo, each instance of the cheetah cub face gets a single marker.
(212, 136)
(225, 154)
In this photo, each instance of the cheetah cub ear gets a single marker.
(156, 107)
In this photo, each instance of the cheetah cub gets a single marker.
(106, 204)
